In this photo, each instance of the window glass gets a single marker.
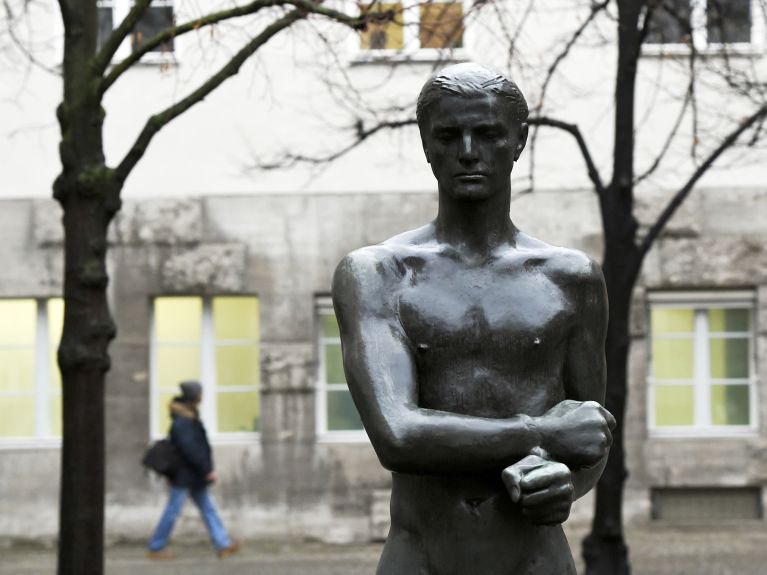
(728, 21)
(670, 23)
(674, 405)
(55, 308)
(329, 325)
(18, 322)
(235, 318)
(54, 415)
(672, 358)
(238, 412)
(237, 365)
(729, 320)
(441, 25)
(17, 370)
(342, 414)
(730, 405)
(667, 320)
(18, 416)
(152, 22)
(729, 358)
(162, 411)
(384, 35)
(176, 364)
(178, 319)
(105, 21)
(334, 364)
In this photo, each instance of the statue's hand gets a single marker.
(576, 433)
(543, 488)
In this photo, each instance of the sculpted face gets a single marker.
(472, 144)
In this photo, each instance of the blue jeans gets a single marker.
(202, 499)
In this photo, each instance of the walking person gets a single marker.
(192, 478)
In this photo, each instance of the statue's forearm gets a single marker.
(585, 478)
(426, 441)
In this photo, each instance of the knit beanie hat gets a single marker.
(191, 391)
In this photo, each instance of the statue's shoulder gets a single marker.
(564, 264)
(377, 268)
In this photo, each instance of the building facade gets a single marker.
(221, 272)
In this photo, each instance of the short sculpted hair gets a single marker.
(467, 80)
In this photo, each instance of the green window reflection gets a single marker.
(674, 405)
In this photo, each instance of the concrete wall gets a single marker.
(286, 483)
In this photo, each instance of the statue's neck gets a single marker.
(476, 227)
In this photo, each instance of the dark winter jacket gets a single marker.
(188, 434)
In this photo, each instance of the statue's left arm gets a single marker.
(585, 368)
(547, 482)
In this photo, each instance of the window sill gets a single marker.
(703, 433)
(737, 50)
(426, 56)
(30, 443)
(343, 437)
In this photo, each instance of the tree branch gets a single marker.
(251, 8)
(290, 160)
(112, 43)
(685, 190)
(574, 131)
(156, 122)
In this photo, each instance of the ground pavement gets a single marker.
(740, 550)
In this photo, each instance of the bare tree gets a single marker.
(89, 192)
(634, 23)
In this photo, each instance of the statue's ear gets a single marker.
(523, 131)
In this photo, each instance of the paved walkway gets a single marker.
(662, 551)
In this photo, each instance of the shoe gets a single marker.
(231, 549)
(160, 555)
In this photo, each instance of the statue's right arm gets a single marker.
(381, 373)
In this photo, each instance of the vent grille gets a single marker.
(706, 504)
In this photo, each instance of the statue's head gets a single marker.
(473, 128)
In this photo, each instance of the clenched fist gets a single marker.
(576, 433)
(543, 488)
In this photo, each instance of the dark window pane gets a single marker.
(384, 35)
(342, 415)
(728, 21)
(155, 20)
(730, 405)
(670, 23)
(105, 24)
(729, 320)
(334, 364)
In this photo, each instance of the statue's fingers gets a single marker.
(545, 497)
(543, 476)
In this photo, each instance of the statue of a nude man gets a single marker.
(474, 354)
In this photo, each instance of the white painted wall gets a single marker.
(281, 100)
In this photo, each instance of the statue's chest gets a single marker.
(471, 310)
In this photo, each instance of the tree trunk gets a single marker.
(88, 328)
(604, 550)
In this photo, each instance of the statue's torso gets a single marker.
(489, 340)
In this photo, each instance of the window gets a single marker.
(215, 341)
(701, 23)
(432, 25)
(156, 18)
(30, 384)
(702, 366)
(336, 413)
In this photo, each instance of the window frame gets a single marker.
(324, 306)
(754, 47)
(412, 51)
(208, 376)
(702, 382)
(42, 391)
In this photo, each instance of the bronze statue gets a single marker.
(475, 355)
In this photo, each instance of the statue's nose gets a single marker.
(467, 151)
